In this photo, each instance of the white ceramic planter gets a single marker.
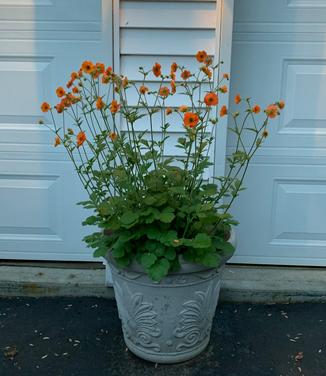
(169, 321)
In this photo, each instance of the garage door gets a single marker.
(40, 42)
(279, 51)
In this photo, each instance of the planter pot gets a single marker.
(169, 321)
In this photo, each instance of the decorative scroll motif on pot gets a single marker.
(195, 320)
(138, 318)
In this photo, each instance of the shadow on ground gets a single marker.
(82, 337)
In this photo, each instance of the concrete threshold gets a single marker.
(240, 283)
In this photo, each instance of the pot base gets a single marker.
(167, 358)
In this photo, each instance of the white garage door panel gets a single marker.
(41, 42)
(280, 52)
(39, 218)
(293, 72)
(282, 220)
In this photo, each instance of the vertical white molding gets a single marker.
(225, 47)
(115, 24)
(116, 35)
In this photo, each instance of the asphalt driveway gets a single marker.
(82, 337)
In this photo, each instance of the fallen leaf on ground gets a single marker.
(10, 352)
(299, 356)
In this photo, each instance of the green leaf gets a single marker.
(167, 215)
(148, 259)
(168, 237)
(118, 252)
(224, 246)
(90, 220)
(201, 240)
(170, 254)
(211, 259)
(154, 233)
(129, 218)
(159, 269)
(100, 252)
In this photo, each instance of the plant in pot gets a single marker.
(163, 224)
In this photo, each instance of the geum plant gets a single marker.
(150, 208)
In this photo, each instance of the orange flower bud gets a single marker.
(114, 106)
(157, 70)
(281, 105)
(256, 109)
(99, 103)
(237, 99)
(113, 136)
(57, 141)
(80, 139)
(143, 89)
(223, 111)
(185, 75)
(183, 108)
(224, 89)
(168, 111)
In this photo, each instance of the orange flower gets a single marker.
(173, 87)
(168, 111)
(57, 141)
(256, 109)
(207, 71)
(81, 138)
(69, 84)
(174, 67)
(45, 107)
(99, 103)
(113, 136)
(223, 111)
(59, 107)
(190, 120)
(88, 67)
(224, 89)
(60, 91)
(226, 76)
(108, 71)
(100, 67)
(272, 111)
(237, 99)
(183, 108)
(201, 56)
(157, 69)
(173, 76)
(185, 74)
(281, 105)
(74, 75)
(211, 99)
(80, 72)
(75, 90)
(114, 106)
(164, 91)
(143, 89)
